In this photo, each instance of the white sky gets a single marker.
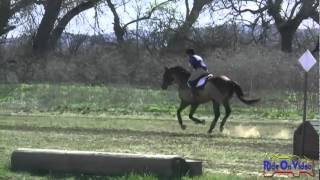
(85, 23)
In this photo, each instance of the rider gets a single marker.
(199, 69)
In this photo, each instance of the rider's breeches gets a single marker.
(195, 74)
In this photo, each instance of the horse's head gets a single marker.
(175, 74)
(167, 78)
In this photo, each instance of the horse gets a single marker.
(218, 89)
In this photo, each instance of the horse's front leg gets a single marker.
(192, 111)
(183, 105)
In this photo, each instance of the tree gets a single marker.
(41, 40)
(286, 18)
(8, 8)
(120, 29)
(63, 22)
(4, 16)
(181, 34)
(51, 28)
(287, 26)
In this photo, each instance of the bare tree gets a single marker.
(287, 26)
(160, 28)
(8, 8)
(51, 28)
(286, 18)
(120, 29)
(181, 34)
(4, 16)
(41, 40)
(63, 22)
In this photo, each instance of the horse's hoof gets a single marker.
(221, 129)
(183, 127)
(210, 131)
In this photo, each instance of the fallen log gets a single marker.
(102, 163)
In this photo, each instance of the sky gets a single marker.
(85, 22)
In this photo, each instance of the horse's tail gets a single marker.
(240, 95)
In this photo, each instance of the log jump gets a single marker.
(102, 163)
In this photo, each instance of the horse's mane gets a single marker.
(180, 70)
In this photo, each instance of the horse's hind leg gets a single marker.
(216, 109)
(192, 111)
(183, 105)
(228, 112)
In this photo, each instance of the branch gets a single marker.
(315, 15)
(307, 9)
(187, 8)
(118, 29)
(294, 9)
(70, 15)
(148, 16)
(274, 7)
(258, 11)
(20, 5)
(114, 11)
(7, 29)
(240, 11)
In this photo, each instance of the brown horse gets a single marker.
(218, 89)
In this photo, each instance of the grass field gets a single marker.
(76, 117)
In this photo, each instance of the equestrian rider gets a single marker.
(199, 69)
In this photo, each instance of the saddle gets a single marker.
(200, 82)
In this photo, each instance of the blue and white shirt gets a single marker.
(196, 62)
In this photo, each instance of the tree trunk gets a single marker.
(287, 31)
(286, 40)
(41, 41)
(4, 16)
(287, 26)
(119, 32)
(57, 32)
(315, 16)
(118, 29)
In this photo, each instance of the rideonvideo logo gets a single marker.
(289, 165)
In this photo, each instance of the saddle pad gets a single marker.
(202, 81)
